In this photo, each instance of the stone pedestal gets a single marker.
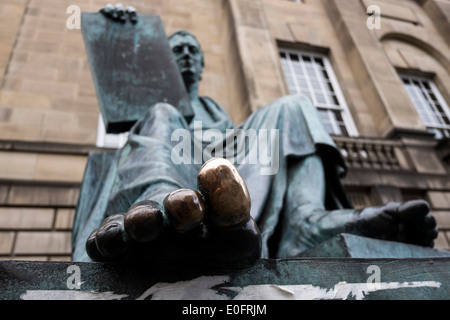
(351, 246)
(291, 279)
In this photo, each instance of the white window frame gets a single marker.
(441, 127)
(109, 140)
(343, 107)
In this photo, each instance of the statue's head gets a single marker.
(188, 55)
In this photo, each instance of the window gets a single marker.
(429, 104)
(109, 140)
(312, 75)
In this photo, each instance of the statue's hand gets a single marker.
(408, 222)
(119, 13)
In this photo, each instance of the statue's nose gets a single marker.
(186, 51)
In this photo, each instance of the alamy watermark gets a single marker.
(74, 20)
(239, 146)
(74, 280)
(374, 280)
(374, 19)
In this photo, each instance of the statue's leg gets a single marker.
(146, 169)
(306, 222)
(141, 170)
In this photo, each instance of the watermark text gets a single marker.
(239, 146)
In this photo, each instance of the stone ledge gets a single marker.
(292, 279)
(350, 246)
(344, 267)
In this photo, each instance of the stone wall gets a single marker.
(36, 222)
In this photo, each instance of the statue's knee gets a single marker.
(161, 115)
(164, 110)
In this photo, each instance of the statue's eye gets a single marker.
(177, 49)
(193, 49)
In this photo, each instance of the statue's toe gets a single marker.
(211, 225)
(144, 221)
(111, 239)
(184, 209)
(91, 248)
(226, 195)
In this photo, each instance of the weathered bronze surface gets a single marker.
(144, 221)
(185, 209)
(237, 246)
(225, 192)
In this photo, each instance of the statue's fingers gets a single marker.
(107, 10)
(413, 211)
(132, 13)
(118, 12)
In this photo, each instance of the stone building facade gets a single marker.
(377, 70)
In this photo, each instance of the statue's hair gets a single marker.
(187, 33)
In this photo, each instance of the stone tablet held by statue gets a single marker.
(133, 68)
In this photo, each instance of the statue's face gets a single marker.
(188, 57)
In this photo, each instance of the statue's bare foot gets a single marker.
(211, 226)
(408, 222)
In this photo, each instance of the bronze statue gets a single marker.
(297, 200)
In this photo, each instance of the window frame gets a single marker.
(343, 107)
(441, 126)
(109, 140)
